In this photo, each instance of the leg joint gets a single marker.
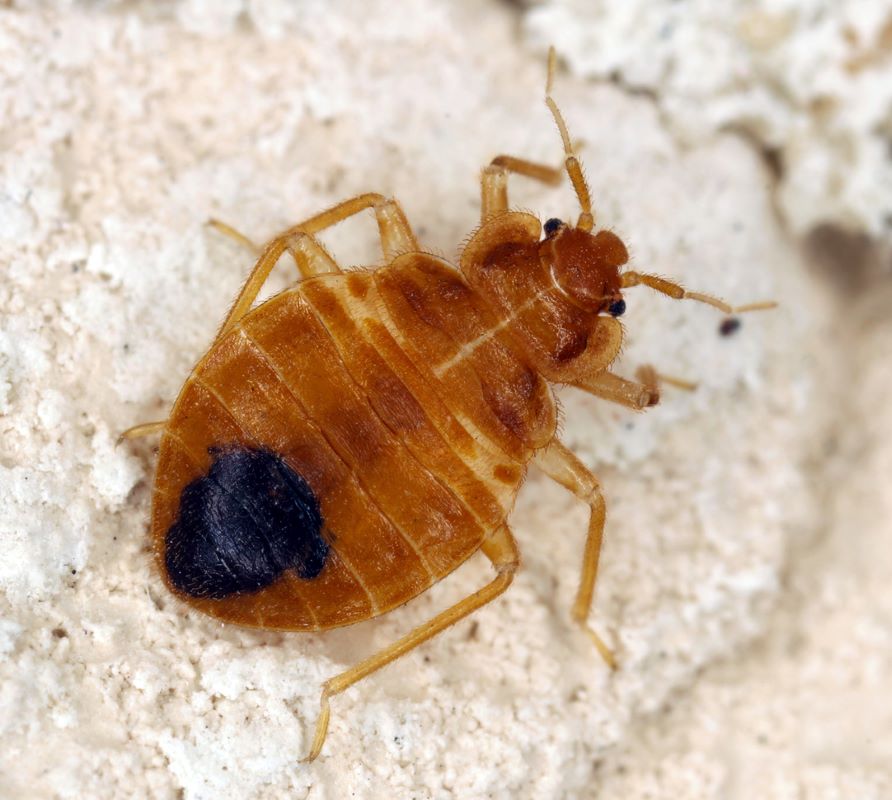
(508, 568)
(501, 549)
(589, 490)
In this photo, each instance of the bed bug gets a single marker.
(346, 444)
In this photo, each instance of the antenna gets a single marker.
(586, 219)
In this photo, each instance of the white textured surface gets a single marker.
(125, 126)
(807, 713)
(809, 79)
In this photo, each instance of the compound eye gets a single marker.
(617, 309)
(552, 226)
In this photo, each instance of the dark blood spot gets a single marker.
(729, 326)
(552, 226)
(243, 524)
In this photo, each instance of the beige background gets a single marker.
(745, 578)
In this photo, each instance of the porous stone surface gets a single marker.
(806, 80)
(805, 712)
(731, 514)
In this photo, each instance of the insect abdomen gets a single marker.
(397, 398)
(278, 383)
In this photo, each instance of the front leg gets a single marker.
(559, 464)
(619, 390)
(638, 395)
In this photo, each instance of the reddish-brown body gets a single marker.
(354, 439)
(409, 402)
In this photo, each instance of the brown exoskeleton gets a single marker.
(346, 444)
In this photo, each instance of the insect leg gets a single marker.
(395, 235)
(232, 233)
(143, 429)
(494, 181)
(652, 379)
(559, 464)
(501, 550)
(627, 393)
(640, 394)
(310, 256)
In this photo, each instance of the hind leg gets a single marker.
(501, 550)
(619, 390)
(311, 259)
(396, 235)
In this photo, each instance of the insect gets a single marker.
(349, 442)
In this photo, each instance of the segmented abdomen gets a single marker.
(408, 431)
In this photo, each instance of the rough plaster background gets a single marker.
(807, 80)
(744, 578)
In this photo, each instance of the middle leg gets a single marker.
(559, 464)
(494, 181)
(396, 236)
(501, 550)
